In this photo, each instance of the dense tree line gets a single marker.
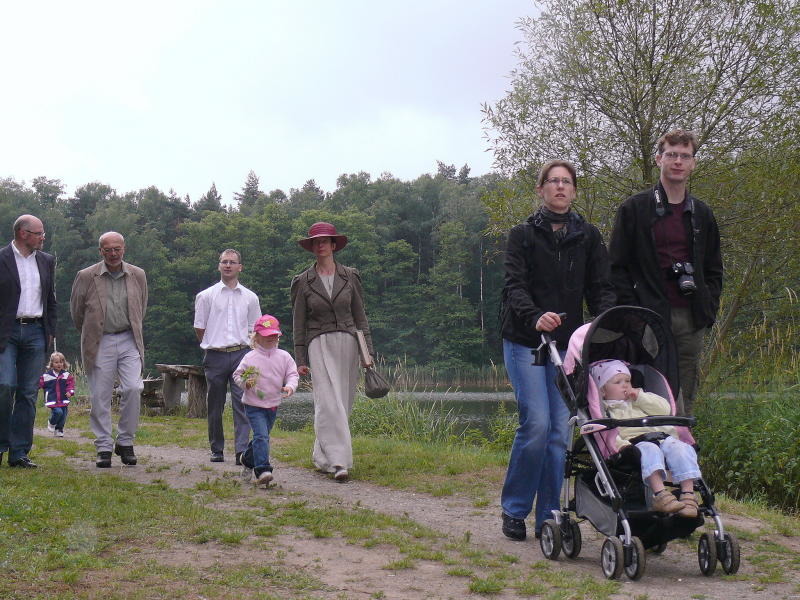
(429, 251)
(431, 276)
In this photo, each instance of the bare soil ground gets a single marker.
(353, 571)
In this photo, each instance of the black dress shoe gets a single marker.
(23, 463)
(217, 457)
(126, 454)
(103, 460)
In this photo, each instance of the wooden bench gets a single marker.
(174, 377)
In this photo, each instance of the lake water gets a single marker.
(471, 408)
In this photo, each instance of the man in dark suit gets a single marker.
(27, 326)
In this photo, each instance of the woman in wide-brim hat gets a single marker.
(328, 308)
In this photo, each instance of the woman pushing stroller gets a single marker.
(659, 447)
(553, 262)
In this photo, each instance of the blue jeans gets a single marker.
(21, 363)
(681, 459)
(58, 417)
(538, 454)
(261, 422)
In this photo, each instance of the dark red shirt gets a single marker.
(672, 245)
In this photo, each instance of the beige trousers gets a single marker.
(333, 358)
(689, 343)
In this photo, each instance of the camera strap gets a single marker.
(660, 210)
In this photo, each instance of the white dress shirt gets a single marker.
(227, 315)
(30, 297)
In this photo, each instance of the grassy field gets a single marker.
(66, 532)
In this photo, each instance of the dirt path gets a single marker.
(353, 571)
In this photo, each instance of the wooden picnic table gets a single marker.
(174, 377)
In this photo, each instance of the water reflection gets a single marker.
(472, 408)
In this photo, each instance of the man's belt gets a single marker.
(230, 348)
(28, 320)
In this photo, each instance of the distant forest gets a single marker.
(430, 256)
(432, 278)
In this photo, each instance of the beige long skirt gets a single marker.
(333, 358)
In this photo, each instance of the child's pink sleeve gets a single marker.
(292, 377)
(70, 385)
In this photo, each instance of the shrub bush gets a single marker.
(749, 446)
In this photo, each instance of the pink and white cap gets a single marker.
(603, 371)
(267, 325)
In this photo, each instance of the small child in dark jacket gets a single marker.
(59, 386)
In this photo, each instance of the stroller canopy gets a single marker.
(636, 335)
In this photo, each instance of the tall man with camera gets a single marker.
(665, 256)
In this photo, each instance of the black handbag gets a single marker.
(375, 385)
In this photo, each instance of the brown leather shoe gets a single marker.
(666, 502)
(690, 508)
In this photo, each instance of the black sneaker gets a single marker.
(126, 454)
(239, 458)
(514, 528)
(217, 457)
(103, 460)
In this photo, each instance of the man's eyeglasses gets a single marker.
(557, 180)
(36, 233)
(111, 250)
(228, 262)
(677, 155)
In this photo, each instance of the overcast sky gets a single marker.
(182, 94)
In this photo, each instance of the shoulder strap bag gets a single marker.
(375, 386)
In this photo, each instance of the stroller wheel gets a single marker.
(571, 539)
(707, 554)
(612, 559)
(636, 560)
(550, 541)
(728, 552)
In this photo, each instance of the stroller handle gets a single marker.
(657, 421)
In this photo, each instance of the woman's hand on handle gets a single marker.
(549, 321)
(303, 370)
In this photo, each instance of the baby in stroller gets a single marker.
(659, 447)
(627, 438)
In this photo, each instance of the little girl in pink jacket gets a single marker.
(267, 374)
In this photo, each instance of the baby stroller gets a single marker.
(607, 488)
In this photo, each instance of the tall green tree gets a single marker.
(211, 200)
(448, 323)
(250, 196)
(600, 80)
(394, 309)
(48, 191)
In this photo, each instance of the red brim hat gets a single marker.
(322, 229)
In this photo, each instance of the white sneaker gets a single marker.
(59, 433)
(50, 426)
(264, 478)
(341, 475)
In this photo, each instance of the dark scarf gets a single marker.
(551, 218)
